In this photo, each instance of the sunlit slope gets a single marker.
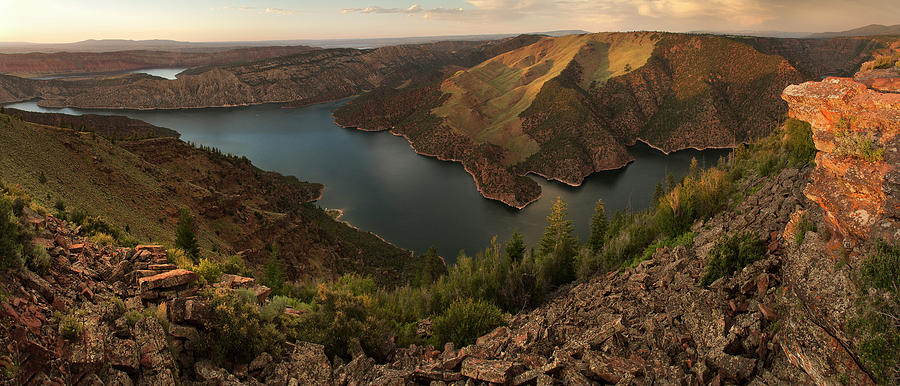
(486, 102)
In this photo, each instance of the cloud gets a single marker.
(280, 11)
(260, 10)
(608, 14)
(413, 9)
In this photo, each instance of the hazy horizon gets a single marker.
(58, 21)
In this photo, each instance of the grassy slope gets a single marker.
(486, 101)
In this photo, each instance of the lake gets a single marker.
(167, 73)
(384, 187)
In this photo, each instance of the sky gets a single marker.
(60, 21)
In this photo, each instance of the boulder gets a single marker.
(168, 279)
(486, 370)
(193, 310)
(306, 365)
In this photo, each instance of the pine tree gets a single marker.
(433, 267)
(658, 193)
(559, 229)
(599, 225)
(274, 276)
(515, 247)
(186, 235)
(558, 247)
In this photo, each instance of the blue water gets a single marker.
(383, 187)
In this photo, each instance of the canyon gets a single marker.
(564, 108)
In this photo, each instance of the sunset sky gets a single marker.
(206, 20)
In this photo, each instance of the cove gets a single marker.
(384, 187)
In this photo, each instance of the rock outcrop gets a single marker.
(857, 179)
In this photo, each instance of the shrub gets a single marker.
(798, 142)
(104, 239)
(341, 314)
(10, 236)
(132, 317)
(684, 239)
(236, 332)
(876, 324)
(209, 270)
(235, 266)
(730, 254)
(42, 178)
(858, 145)
(38, 260)
(69, 326)
(465, 321)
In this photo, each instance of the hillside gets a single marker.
(67, 63)
(307, 77)
(869, 30)
(138, 187)
(566, 107)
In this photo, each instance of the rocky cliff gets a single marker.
(857, 179)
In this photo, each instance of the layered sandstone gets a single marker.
(859, 196)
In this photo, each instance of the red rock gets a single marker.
(762, 285)
(494, 371)
(152, 248)
(854, 193)
(235, 281)
(262, 293)
(76, 248)
(169, 279)
(162, 267)
(768, 311)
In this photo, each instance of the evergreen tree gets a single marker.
(658, 193)
(558, 247)
(599, 225)
(433, 267)
(186, 235)
(515, 247)
(273, 276)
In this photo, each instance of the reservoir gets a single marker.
(384, 187)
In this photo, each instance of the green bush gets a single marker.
(343, 313)
(798, 142)
(132, 317)
(10, 237)
(236, 332)
(731, 254)
(69, 326)
(209, 270)
(465, 321)
(38, 260)
(876, 324)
